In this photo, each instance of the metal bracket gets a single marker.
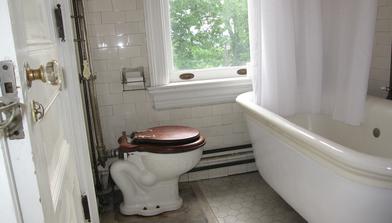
(10, 108)
(86, 209)
(59, 22)
(7, 79)
(37, 111)
(11, 118)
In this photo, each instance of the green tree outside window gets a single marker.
(209, 33)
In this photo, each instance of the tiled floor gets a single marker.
(244, 198)
(195, 209)
(247, 198)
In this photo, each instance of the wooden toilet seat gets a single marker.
(162, 139)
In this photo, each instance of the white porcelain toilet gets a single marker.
(153, 161)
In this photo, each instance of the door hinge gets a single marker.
(10, 108)
(86, 209)
(59, 23)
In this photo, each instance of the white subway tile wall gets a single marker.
(117, 38)
(379, 73)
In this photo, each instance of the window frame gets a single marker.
(164, 42)
(207, 73)
(220, 85)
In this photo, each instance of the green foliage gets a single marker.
(209, 33)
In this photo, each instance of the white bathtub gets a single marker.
(327, 171)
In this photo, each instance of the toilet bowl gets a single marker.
(152, 162)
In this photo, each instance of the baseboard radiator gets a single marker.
(214, 163)
(223, 162)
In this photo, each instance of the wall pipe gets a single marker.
(87, 81)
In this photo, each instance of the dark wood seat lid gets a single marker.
(126, 147)
(168, 135)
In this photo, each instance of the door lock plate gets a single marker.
(7, 79)
(10, 108)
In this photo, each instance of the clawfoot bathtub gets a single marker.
(327, 171)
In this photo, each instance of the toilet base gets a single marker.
(151, 209)
(149, 181)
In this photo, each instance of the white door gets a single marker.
(49, 169)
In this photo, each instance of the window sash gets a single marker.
(207, 73)
(160, 50)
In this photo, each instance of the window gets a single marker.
(204, 39)
(209, 38)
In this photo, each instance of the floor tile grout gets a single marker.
(204, 203)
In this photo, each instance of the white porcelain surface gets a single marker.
(342, 176)
(149, 181)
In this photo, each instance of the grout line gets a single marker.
(203, 202)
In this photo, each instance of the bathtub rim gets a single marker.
(366, 168)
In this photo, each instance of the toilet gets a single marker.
(149, 167)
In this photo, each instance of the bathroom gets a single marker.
(126, 85)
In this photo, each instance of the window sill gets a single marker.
(195, 93)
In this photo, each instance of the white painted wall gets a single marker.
(379, 74)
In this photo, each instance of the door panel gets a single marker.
(36, 23)
(9, 204)
(51, 138)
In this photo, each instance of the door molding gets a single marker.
(76, 111)
(9, 206)
(61, 167)
(20, 156)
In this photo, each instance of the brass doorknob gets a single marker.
(34, 74)
(50, 73)
(53, 71)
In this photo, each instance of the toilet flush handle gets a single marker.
(123, 139)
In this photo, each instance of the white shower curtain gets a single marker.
(312, 55)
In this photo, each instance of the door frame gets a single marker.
(20, 151)
(9, 204)
(85, 173)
